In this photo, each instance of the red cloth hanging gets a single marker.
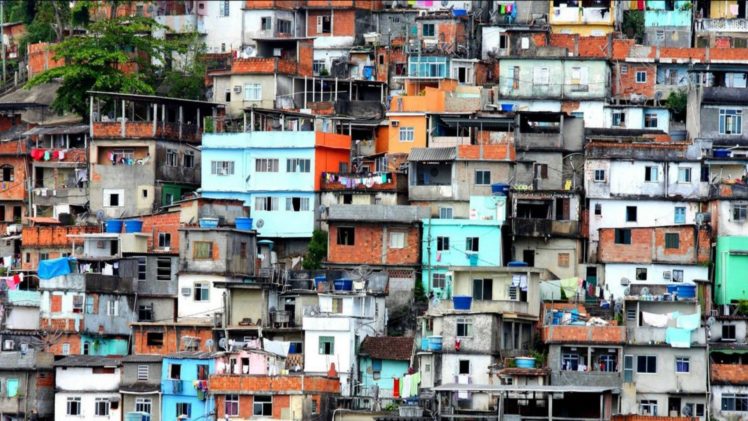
(396, 387)
(640, 5)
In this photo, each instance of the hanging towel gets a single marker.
(569, 286)
(13, 281)
(678, 338)
(405, 386)
(688, 321)
(655, 320)
(415, 380)
(47, 155)
(396, 387)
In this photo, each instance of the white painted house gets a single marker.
(222, 23)
(334, 330)
(87, 388)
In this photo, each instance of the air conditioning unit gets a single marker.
(430, 42)
(186, 292)
(8, 344)
(666, 274)
(395, 123)
(237, 89)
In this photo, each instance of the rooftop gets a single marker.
(387, 347)
(193, 355)
(377, 213)
(143, 358)
(88, 361)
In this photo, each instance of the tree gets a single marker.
(187, 79)
(317, 250)
(97, 60)
(677, 102)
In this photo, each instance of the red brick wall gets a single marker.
(53, 236)
(172, 334)
(491, 152)
(625, 84)
(343, 23)
(250, 383)
(73, 339)
(368, 246)
(40, 58)
(584, 334)
(167, 222)
(640, 250)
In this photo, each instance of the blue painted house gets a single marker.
(462, 242)
(668, 23)
(276, 173)
(381, 360)
(184, 385)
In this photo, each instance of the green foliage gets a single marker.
(633, 25)
(539, 357)
(94, 61)
(418, 292)
(317, 250)
(189, 81)
(743, 307)
(677, 102)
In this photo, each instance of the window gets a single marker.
(651, 174)
(541, 171)
(227, 93)
(641, 274)
(223, 12)
(283, 26)
(684, 175)
(346, 236)
(262, 406)
(730, 121)
(728, 332)
(43, 256)
(175, 371)
(184, 408)
(646, 364)
(439, 280)
(482, 289)
(619, 119)
(680, 214)
(445, 213)
(318, 67)
(650, 120)
(648, 407)
(222, 167)
(563, 260)
(114, 198)
(429, 29)
(266, 203)
(608, 363)
(90, 305)
(323, 24)
(202, 372)
(163, 269)
(682, 364)
(74, 406)
(145, 312)
(101, 407)
(78, 303)
(202, 291)
(112, 307)
(397, 240)
(266, 23)
(172, 158)
(641, 76)
(326, 345)
(630, 213)
(337, 305)
(579, 77)
(624, 69)
(569, 362)
(297, 204)
(599, 176)
(464, 366)
(252, 92)
(407, 134)
(86, 348)
(739, 212)
(734, 402)
(482, 177)
(672, 240)
(231, 407)
(202, 250)
(143, 405)
(598, 209)
(471, 244)
(298, 165)
(631, 313)
(66, 348)
(164, 240)
(266, 165)
(464, 327)
(442, 243)
(7, 173)
(143, 372)
(541, 76)
(677, 275)
(623, 236)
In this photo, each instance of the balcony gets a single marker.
(376, 182)
(530, 227)
(227, 383)
(539, 140)
(586, 378)
(485, 306)
(30, 360)
(50, 196)
(108, 284)
(70, 282)
(722, 25)
(729, 191)
(656, 335)
(178, 387)
(137, 130)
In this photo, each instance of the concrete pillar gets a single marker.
(155, 119)
(90, 116)
(122, 123)
(181, 121)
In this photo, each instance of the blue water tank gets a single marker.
(500, 189)
(114, 226)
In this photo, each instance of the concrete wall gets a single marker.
(69, 379)
(709, 122)
(614, 272)
(88, 406)
(558, 70)
(627, 178)
(235, 107)
(188, 307)
(485, 337)
(130, 373)
(715, 405)
(250, 303)
(100, 321)
(224, 33)
(666, 380)
(22, 318)
(650, 213)
(128, 404)
(226, 258)
(547, 254)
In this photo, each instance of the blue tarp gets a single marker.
(48, 269)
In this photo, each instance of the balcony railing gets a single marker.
(382, 181)
(146, 130)
(722, 25)
(543, 227)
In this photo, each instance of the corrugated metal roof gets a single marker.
(88, 361)
(377, 213)
(432, 154)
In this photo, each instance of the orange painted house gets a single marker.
(405, 131)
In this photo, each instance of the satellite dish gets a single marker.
(626, 291)
(100, 215)
(686, 411)
(625, 281)
(209, 345)
(222, 343)
(260, 223)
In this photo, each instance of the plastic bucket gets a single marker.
(114, 226)
(672, 289)
(208, 222)
(507, 107)
(133, 225)
(462, 302)
(244, 224)
(524, 362)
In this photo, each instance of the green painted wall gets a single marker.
(731, 270)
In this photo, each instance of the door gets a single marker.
(528, 256)
(628, 368)
(673, 406)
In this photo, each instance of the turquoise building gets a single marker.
(668, 23)
(94, 345)
(462, 242)
(381, 360)
(730, 267)
(275, 173)
(184, 380)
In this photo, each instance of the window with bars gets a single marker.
(298, 165)
(163, 269)
(266, 165)
(222, 167)
(172, 158)
(231, 408)
(672, 240)
(252, 92)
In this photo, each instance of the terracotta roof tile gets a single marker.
(730, 374)
(388, 347)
